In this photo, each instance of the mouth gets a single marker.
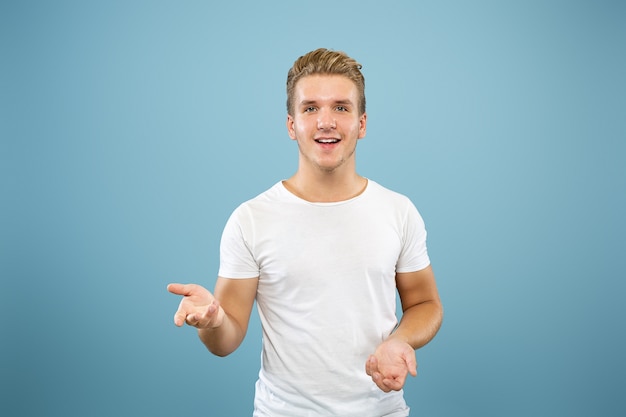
(327, 141)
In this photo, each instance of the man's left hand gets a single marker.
(390, 364)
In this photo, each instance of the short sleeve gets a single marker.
(414, 254)
(236, 258)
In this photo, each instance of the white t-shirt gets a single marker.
(326, 295)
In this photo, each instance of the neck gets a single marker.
(325, 187)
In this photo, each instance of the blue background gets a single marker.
(131, 129)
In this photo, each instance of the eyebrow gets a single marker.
(342, 102)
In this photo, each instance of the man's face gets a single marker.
(326, 122)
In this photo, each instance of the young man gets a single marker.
(323, 253)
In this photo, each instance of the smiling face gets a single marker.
(326, 122)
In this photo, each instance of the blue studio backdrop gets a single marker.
(129, 131)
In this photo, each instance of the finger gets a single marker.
(371, 365)
(192, 320)
(180, 317)
(394, 384)
(411, 363)
(181, 289)
(206, 316)
(210, 318)
(182, 313)
(371, 368)
(378, 379)
(213, 307)
(412, 368)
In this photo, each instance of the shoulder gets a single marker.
(272, 194)
(268, 203)
(381, 193)
(390, 201)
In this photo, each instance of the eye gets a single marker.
(309, 109)
(341, 108)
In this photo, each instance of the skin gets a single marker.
(326, 108)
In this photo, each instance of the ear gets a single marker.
(362, 125)
(290, 127)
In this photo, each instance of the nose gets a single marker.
(326, 120)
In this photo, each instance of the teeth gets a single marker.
(327, 140)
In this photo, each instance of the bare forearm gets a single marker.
(222, 340)
(419, 324)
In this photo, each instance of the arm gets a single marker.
(421, 307)
(221, 319)
(236, 297)
(421, 319)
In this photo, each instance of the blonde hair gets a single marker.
(325, 62)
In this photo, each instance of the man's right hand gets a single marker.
(198, 308)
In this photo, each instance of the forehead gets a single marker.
(322, 87)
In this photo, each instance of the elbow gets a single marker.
(218, 346)
(220, 353)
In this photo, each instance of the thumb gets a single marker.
(411, 363)
(180, 289)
